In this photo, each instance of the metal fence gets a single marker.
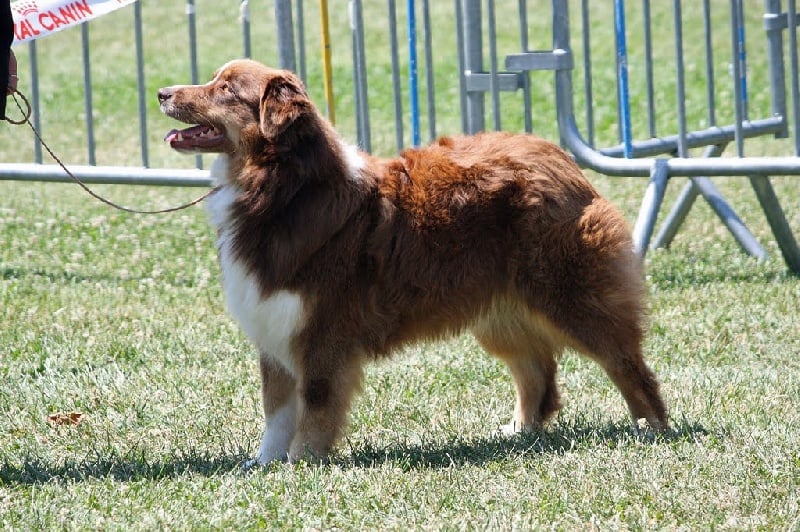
(558, 84)
(640, 158)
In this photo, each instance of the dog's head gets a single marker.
(244, 103)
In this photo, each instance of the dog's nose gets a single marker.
(165, 94)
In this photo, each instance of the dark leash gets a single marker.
(26, 118)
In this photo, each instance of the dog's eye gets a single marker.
(226, 87)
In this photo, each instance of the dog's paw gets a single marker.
(261, 460)
(646, 431)
(507, 430)
(515, 427)
(250, 465)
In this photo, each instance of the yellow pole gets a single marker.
(326, 60)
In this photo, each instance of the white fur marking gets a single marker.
(219, 169)
(272, 322)
(278, 433)
(218, 207)
(354, 160)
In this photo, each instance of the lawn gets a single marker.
(121, 318)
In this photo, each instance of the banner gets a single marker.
(36, 18)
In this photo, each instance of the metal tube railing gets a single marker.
(648, 63)
(108, 175)
(494, 80)
(683, 150)
(360, 75)
(194, 75)
(473, 62)
(301, 41)
(88, 110)
(623, 97)
(587, 72)
(413, 93)
(526, 79)
(141, 85)
(244, 17)
(396, 90)
(709, 55)
(462, 64)
(430, 89)
(36, 105)
(284, 30)
(738, 75)
(792, 23)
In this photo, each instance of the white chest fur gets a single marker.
(270, 322)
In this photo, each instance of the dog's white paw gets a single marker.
(264, 459)
(515, 427)
(278, 434)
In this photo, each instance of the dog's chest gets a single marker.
(270, 322)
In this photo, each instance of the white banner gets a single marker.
(36, 18)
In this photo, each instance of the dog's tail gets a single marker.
(608, 255)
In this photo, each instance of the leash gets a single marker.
(26, 118)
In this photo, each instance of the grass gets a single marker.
(121, 318)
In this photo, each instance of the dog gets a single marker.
(332, 257)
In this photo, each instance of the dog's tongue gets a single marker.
(194, 137)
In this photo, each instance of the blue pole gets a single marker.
(742, 57)
(412, 73)
(622, 77)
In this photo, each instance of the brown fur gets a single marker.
(496, 233)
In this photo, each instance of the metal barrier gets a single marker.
(622, 160)
(657, 156)
(660, 157)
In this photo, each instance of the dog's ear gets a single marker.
(284, 100)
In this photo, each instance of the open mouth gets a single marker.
(201, 137)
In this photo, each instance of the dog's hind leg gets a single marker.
(530, 353)
(616, 345)
(604, 321)
(588, 283)
(280, 411)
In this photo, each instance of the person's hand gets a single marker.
(12, 73)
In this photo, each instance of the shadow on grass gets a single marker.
(436, 454)
(36, 470)
(686, 268)
(63, 276)
(499, 448)
(56, 276)
(684, 278)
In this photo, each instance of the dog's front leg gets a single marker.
(279, 396)
(324, 397)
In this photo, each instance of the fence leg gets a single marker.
(703, 186)
(676, 216)
(682, 207)
(735, 225)
(777, 221)
(651, 204)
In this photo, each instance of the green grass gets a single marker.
(122, 318)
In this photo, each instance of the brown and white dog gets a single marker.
(332, 257)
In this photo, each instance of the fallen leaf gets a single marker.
(65, 418)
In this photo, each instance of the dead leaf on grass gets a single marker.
(65, 418)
